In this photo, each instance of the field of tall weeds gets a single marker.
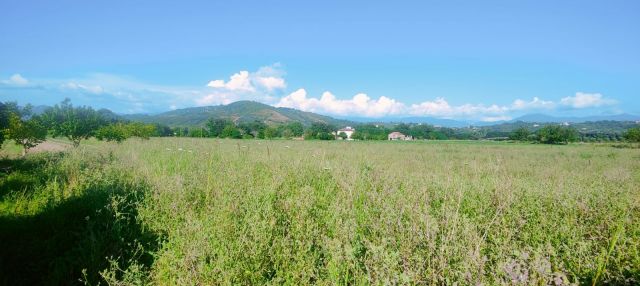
(208, 212)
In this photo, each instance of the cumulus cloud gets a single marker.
(267, 78)
(535, 103)
(16, 79)
(268, 85)
(360, 105)
(441, 108)
(586, 100)
(261, 85)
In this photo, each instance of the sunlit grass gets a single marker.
(303, 212)
(388, 212)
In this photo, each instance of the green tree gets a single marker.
(632, 135)
(230, 131)
(520, 134)
(554, 134)
(320, 130)
(140, 130)
(5, 112)
(75, 123)
(296, 128)
(117, 132)
(270, 133)
(343, 135)
(216, 126)
(26, 133)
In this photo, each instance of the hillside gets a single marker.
(239, 111)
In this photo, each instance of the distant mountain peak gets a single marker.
(238, 111)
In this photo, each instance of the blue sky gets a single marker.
(480, 60)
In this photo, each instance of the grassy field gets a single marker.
(205, 211)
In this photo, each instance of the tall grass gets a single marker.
(283, 212)
(294, 212)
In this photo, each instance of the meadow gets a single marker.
(189, 211)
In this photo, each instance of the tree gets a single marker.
(632, 135)
(27, 133)
(140, 130)
(520, 134)
(113, 132)
(554, 134)
(4, 120)
(75, 123)
(216, 126)
(296, 128)
(270, 133)
(343, 135)
(320, 130)
(230, 131)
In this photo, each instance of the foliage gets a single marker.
(75, 123)
(520, 134)
(26, 133)
(632, 135)
(230, 131)
(121, 131)
(556, 134)
(65, 218)
(113, 132)
(320, 130)
(216, 126)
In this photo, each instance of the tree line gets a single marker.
(557, 134)
(77, 123)
(28, 130)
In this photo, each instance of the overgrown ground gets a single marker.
(205, 211)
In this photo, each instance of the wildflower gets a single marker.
(287, 146)
(179, 149)
(86, 218)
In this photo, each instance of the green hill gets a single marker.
(239, 111)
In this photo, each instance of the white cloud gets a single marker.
(585, 100)
(216, 83)
(360, 105)
(266, 79)
(238, 82)
(216, 98)
(95, 89)
(535, 103)
(270, 83)
(441, 108)
(16, 79)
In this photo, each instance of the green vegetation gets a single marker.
(74, 123)
(26, 133)
(208, 211)
(121, 131)
(67, 217)
(633, 135)
(211, 211)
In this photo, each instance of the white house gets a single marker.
(347, 130)
(398, 136)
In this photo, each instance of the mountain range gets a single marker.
(249, 111)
